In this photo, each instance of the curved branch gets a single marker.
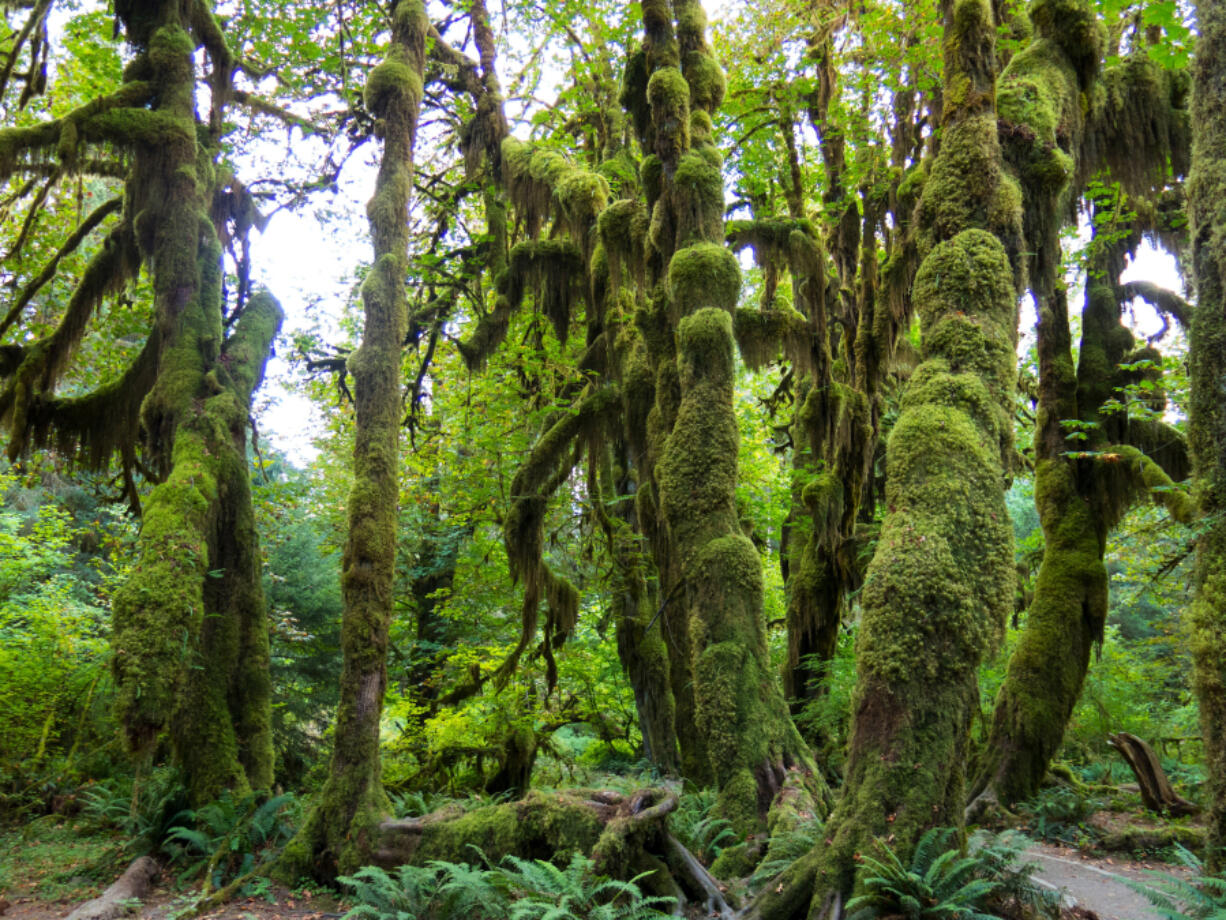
(98, 215)
(1164, 300)
(1148, 478)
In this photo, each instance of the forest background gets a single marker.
(530, 572)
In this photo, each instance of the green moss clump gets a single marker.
(651, 175)
(392, 81)
(669, 96)
(703, 275)
(698, 190)
(706, 80)
(623, 229)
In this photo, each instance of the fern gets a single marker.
(785, 848)
(406, 896)
(542, 891)
(698, 829)
(518, 889)
(939, 884)
(1202, 897)
(227, 835)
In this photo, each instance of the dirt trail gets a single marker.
(1097, 884)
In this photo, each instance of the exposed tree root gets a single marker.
(1156, 790)
(116, 901)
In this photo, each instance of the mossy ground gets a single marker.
(57, 859)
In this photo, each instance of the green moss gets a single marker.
(762, 335)
(703, 275)
(392, 81)
(651, 174)
(669, 96)
(698, 190)
(623, 229)
(705, 78)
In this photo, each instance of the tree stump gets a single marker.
(1156, 791)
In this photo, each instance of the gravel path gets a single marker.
(1098, 885)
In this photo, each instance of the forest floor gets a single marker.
(44, 874)
(1099, 884)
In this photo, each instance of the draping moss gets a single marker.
(761, 335)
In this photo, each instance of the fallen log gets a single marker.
(117, 901)
(626, 836)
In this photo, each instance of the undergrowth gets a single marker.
(517, 889)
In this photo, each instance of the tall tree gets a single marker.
(1207, 422)
(190, 653)
(339, 832)
(941, 581)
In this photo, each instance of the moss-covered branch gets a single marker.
(523, 530)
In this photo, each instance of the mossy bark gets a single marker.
(941, 582)
(1081, 488)
(340, 831)
(188, 655)
(1207, 416)
(732, 723)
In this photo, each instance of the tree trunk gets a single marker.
(941, 583)
(1207, 415)
(732, 722)
(185, 654)
(341, 830)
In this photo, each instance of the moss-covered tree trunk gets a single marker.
(1207, 417)
(1081, 487)
(732, 722)
(339, 832)
(941, 582)
(186, 654)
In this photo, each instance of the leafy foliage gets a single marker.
(230, 834)
(1200, 897)
(519, 889)
(942, 883)
(696, 826)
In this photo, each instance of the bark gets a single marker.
(116, 901)
(185, 659)
(1207, 415)
(1082, 487)
(941, 583)
(341, 830)
(732, 722)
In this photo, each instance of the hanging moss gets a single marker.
(703, 275)
(623, 232)
(535, 481)
(553, 271)
(698, 190)
(1139, 125)
(761, 335)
